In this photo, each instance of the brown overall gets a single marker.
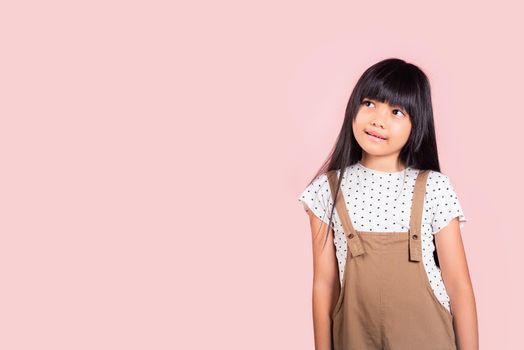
(386, 301)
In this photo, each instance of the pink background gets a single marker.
(152, 154)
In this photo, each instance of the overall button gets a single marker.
(350, 236)
(415, 236)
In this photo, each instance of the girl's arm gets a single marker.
(326, 285)
(455, 273)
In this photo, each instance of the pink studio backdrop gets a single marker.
(153, 152)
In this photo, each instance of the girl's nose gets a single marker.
(378, 123)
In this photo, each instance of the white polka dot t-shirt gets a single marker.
(381, 201)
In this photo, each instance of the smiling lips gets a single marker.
(375, 134)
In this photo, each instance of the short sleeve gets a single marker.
(316, 197)
(445, 202)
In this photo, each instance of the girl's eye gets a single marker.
(398, 110)
(367, 102)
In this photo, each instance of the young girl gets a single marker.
(402, 280)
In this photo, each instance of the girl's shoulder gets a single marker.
(438, 184)
(317, 197)
(443, 199)
(438, 181)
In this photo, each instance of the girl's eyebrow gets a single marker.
(394, 106)
(399, 107)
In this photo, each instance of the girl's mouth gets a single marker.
(374, 138)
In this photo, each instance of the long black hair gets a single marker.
(396, 82)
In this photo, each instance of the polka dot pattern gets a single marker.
(381, 201)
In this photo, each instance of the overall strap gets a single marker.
(353, 239)
(415, 224)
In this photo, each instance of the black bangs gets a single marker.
(395, 83)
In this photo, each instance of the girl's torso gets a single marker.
(381, 202)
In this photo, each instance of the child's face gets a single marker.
(391, 122)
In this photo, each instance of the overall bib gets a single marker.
(385, 300)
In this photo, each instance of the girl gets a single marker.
(402, 280)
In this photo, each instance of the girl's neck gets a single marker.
(382, 164)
